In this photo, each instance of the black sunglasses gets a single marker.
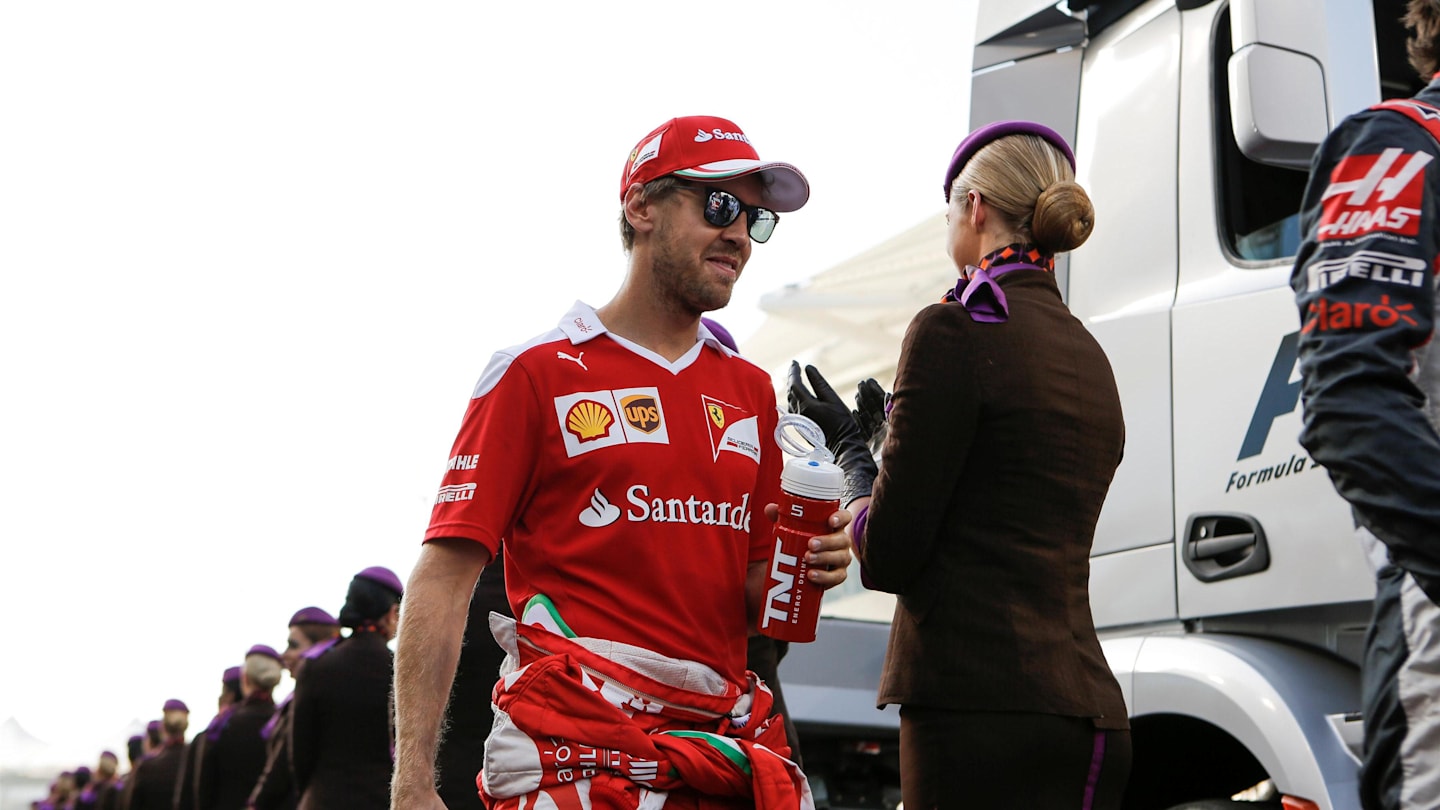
(722, 208)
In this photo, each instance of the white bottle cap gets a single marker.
(813, 478)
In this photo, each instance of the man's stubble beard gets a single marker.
(686, 291)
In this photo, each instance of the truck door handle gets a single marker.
(1224, 545)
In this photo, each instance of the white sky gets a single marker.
(253, 257)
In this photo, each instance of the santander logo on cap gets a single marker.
(718, 150)
(701, 136)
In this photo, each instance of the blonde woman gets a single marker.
(1004, 432)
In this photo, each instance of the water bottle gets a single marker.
(811, 486)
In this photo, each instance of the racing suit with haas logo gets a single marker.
(1365, 286)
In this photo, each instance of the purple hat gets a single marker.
(174, 705)
(984, 135)
(263, 649)
(312, 615)
(232, 675)
(721, 334)
(383, 576)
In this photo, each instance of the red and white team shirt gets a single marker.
(627, 489)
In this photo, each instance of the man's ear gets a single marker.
(638, 210)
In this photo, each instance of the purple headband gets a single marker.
(721, 334)
(174, 705)
(984, 135)
(312, 615)
(263, 649)
(383, 576)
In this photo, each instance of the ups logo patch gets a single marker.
(642, 412)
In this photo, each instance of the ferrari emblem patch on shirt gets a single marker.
(732, 429)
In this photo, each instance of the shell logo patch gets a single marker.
(591, 420)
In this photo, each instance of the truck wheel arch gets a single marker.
(1210, 704)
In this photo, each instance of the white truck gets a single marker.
(1230, 593)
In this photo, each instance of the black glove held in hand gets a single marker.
(842, 434)
(870, 403)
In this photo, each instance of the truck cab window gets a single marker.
(1260, 204)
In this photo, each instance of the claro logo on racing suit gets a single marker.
(1369, 193)
(1325, 315)
(644, 508)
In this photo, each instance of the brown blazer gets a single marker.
(1003, 440)
(341, 736)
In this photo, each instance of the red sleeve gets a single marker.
(491, 469)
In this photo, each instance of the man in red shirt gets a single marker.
(621, 457)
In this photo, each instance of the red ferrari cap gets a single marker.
(706, 148)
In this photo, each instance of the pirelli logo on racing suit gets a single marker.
(1370, 193)
(1369, 265)
(590, 420)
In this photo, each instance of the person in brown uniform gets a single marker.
(312, 631)
(232, 759)
(1004, 432)
(230, 695)
(341, 734)
(152, 784)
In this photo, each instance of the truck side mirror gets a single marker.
(1294, 72)
(1277, 100)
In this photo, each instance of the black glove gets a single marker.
(842, 434)
(871, 402)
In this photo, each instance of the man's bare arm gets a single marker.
(432, 625)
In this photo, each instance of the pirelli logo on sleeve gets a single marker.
(591, 420)
(1374, 193)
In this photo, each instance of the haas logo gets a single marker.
(1374, 193)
